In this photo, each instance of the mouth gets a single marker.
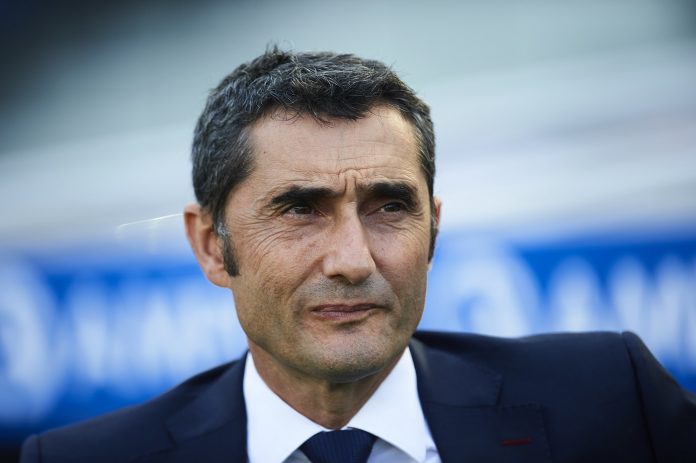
(344, 312)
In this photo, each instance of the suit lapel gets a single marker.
(212, 427)
(460, 401)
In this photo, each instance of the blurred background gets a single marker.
(566, 162)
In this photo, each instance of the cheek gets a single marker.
(263, 246)
(274, 264)
(407, 246)
(259, 243)
(403, 261)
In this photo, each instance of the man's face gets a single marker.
(331, 233)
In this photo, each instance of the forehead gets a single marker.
(380, 145)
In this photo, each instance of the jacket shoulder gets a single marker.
(120, 435)
(588, 384)
(541, 346)
(585, 364)
(535, 367)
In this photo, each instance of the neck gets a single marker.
(330, 404)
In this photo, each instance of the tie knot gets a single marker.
(348, 446)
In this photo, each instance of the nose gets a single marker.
(348, 252)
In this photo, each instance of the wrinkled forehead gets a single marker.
(382, 143)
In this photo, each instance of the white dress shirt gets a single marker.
(275, 431)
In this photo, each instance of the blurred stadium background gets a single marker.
(567, 165)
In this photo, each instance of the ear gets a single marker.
(205, 244)
(437, 207)
(434, 227)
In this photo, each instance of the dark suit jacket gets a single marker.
(593, 397)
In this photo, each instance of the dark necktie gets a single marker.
(348, 446)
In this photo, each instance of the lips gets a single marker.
(344, 311)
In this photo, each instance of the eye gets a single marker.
(392, 207)
(299, 209)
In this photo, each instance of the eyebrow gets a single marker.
(312, 194)
(391, 189)
(302, 194)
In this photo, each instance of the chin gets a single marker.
(355, 362)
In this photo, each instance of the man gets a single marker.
(314, 179)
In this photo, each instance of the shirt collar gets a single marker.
(394, 403)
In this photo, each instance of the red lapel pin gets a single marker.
(515, 442)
